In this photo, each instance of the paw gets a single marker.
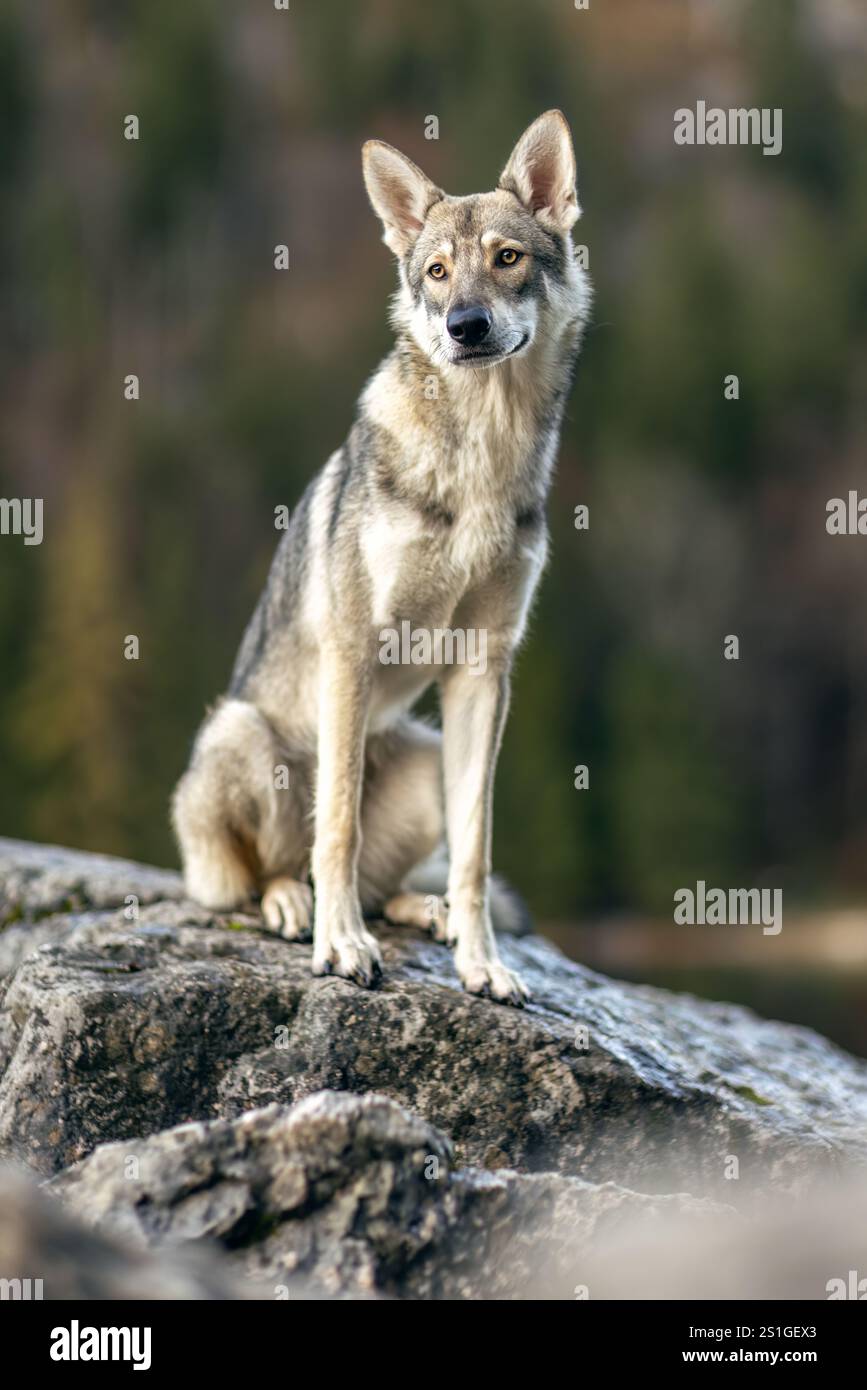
(424, 910)
(352, 955)
(492, 980)
(446, 929)
(287, 907)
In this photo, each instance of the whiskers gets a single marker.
(436, 350)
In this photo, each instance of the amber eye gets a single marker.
(509, 256)
(437, 271)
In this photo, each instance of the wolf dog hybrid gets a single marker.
(411, 559)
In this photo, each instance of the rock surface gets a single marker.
(344, 1193)
(39, 1241)
(127, 1011)
(36, 880)
(114, 1028)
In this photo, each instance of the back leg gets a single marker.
(413, 909)
(287, 907)
(240, 829)
(402, 820)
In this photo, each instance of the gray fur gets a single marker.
(432, 513)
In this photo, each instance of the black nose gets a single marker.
(470, 325)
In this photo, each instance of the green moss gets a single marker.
(15, 914)
(749, 1094)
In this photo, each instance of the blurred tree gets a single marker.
(707, 515)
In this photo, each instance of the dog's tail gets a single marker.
(509, 912)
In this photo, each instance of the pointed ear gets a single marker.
(400, 193)
(541, 172)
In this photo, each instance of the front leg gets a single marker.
(474, 712)
(342, 945)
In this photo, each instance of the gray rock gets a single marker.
(39, 1241)
(349, 1195)
(112, 1029)
(38, 880)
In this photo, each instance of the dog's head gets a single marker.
(482, 276)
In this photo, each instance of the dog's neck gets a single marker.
(454, 419)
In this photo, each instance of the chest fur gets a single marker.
(458, 477)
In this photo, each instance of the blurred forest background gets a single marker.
(156, 257)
